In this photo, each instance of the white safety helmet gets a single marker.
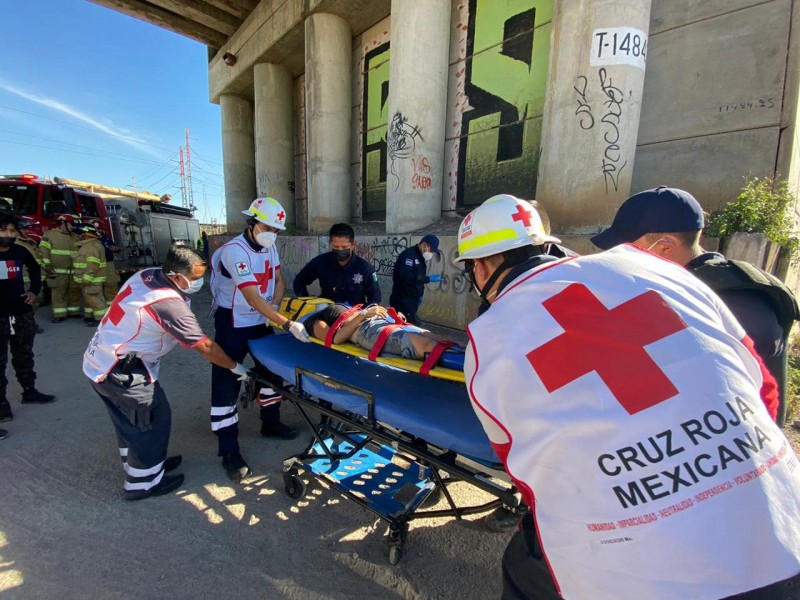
(268, 211)
(501, 223)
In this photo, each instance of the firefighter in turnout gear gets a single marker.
(58, 251)
(247, 283)
(150, 316)
(111, 285)
(89, 271)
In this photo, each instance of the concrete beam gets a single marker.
(144, 11)
(238, 8)
(202, 13)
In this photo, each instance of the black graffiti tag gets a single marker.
(401, 141)
(612, 153)
(584, 109)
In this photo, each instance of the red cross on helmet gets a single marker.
(268, 211)
(501, 223)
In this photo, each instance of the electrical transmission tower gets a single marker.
(190, 193)
(184, 198)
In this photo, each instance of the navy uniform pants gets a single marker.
(225, 385)
(142, 418)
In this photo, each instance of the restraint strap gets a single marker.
(434, 356)
(395, 315)
(339, 322)
(383, 336)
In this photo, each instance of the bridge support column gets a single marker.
(238, 158)
(274, 135)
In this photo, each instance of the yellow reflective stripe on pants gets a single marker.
(92, 280)
(58, 252)
(62, 271)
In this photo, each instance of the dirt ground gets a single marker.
(66, 533)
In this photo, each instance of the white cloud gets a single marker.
(124, 136)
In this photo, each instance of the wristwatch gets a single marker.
(286, 326)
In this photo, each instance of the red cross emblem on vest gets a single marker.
(610, 343)
(522, 215)
(263, 279)
(115, 313)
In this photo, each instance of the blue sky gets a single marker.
(91, 94)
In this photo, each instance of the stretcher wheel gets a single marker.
(395, 554)
(294, 486)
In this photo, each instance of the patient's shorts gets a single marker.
(398, 343)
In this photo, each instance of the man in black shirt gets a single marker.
(17, 327)
(409, 276)
(343, 276)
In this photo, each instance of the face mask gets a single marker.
(427, 256)
(342, 254)
(658, 241)
(265, 239)
(6, 241)
(193, 286)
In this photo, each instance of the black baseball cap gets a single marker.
(660, 210)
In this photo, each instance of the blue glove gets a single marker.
(434, 278)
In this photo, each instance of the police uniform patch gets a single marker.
(358, 278)
(409, 262)
(375, 277)
(242, 268)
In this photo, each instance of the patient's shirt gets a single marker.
(326, 315)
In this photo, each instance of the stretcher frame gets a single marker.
(356, 433)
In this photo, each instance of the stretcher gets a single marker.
(388, 438)
(447, 364)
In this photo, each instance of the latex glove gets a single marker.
(298, 330)
(434, 278)
(241, 370)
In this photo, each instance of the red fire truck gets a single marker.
(43, 200)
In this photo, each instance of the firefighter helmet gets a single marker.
(501, 223)
(268, 211)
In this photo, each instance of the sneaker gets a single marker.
(34, 396)
(5, 411)
(167, 484)
(235, 466)
(279, 431)
(3, 434)
(172, 463)
(57, 320)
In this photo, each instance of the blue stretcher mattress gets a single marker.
(435, 410)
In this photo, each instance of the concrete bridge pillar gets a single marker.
(420, 41)
(238, 158)
(274, 135)
(591, 117)
(329, 106)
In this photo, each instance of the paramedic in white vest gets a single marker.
(247, 284)
(149, 316)
(628, 406)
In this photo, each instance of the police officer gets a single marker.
(17, 327)
(669, 222)
(58, 251)
(409, 276)
(247, 283)
(343, 276)
(149, 317)
(597, 380)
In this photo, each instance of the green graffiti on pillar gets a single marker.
(376, 119)
(508, 48)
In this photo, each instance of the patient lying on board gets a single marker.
(363, 328)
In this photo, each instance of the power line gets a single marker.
(95, 129)
(134, 160)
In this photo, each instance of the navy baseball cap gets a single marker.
(660, 210)
(432, 241)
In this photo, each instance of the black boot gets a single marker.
(167, 484)
(279, 430)
(3, 434)
(235, 466)
(5, 411)
(33, 396)
(57, 320)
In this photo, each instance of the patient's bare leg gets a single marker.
(422, 343)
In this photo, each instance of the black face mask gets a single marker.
(342, 254)
(7, 242)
